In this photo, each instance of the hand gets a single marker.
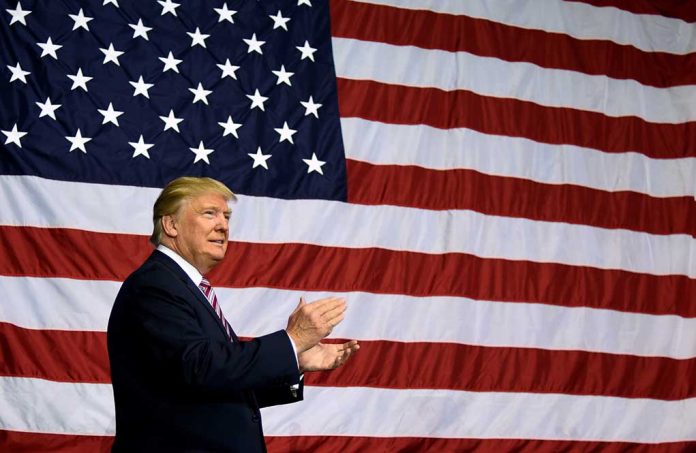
(309, 323)
(324, 356)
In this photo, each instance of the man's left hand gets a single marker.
(327, 356)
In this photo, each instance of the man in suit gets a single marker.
(182, 380)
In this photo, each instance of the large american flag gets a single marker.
(502, 190)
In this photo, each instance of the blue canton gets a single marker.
(140, 92)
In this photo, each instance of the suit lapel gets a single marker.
(179, 273)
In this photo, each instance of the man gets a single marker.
(182, 380)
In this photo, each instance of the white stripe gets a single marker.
(36, 405)
(57, 303)
(67, 304)
(334, 224)
(41, 202)
(257, 311)
(35, 201)
(374, 412)
(428, 147)
(650, 33)
(488, 76)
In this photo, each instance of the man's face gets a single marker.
(201, 227)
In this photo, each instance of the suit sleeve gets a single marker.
(167, 334)
(273, 396)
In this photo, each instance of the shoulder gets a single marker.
(156, 284)
(157, 271)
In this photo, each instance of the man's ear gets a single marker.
(169, 226)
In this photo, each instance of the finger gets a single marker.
(334, 313)
(329, 303)
(351, 346)
(299, 305)
(348, 345)
(343, 358)
(336, 320)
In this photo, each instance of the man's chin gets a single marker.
(219, 255)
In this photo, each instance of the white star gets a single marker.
(140, 147)
(285, 133)
(111, 55)
(48, 109)
(254, 44)
(230, 127)
(197, 38)
(225, 14)
(257, 100)
(110, 115)
(311, 107)
(80, 20)
(18, 15)
(171, 122)
(78, 142)
(202, 153)
(199, 94)
(259, 159)
(140, 30)
(18, 73)
(283, 76)
(168, 6)
(113, 2)
(304, 2)
(279, 21)
(314, 164)
(14, 136)
(170, 63)
(79, 80)
(48, 48)
(307, 51)
(228, 69)
(141, 87)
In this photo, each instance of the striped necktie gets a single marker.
(212, 298)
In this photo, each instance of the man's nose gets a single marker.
(222, 224)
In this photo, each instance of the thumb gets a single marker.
(301, 304)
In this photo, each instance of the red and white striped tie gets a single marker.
(212, 298)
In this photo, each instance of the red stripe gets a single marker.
(487, 369)
(515, 197)
(500, 116)
(63, 252)
(82, 357)
(21, 442)
(55, 355)
(332, 444)
(312, 267)
(677, 9)
(406, 27)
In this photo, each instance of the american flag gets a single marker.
(502, 190)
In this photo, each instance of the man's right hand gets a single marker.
(309, 323)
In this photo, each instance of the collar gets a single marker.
(187, 267)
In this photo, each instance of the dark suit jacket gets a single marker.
(179, 383)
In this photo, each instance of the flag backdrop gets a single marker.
(502, 190)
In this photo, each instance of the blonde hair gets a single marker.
(176, 193)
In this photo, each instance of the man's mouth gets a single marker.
(217, 241)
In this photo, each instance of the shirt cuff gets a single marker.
(294, 349)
